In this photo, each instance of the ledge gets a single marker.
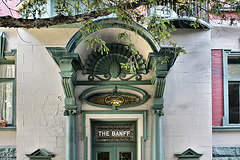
(225, 128)
(11, 128)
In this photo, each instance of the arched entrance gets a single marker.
(105, 71)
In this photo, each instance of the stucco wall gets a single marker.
(40, 97)
(188, 117)
(225, 37)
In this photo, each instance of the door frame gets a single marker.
(140, 116)
(115, 147)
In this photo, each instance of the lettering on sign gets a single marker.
(115, 133)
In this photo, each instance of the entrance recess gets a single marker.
(114, 140)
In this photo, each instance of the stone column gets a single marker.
(69, 64)
(68, 74)
(157, 149)
(70, 135)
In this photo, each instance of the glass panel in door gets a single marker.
(125, 156)
(103, 153)
(126, 153)
(103, 156)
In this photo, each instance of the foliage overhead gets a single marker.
(33, 13)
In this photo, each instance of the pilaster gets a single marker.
(69, 64)
(160, 63)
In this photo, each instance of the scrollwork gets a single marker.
(107, 77)
(122, 77)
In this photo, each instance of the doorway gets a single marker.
(113, 140)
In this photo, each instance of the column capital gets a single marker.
(70, 112)
(69, 64)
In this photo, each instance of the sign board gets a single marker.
(115, 133)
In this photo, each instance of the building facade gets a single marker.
(65, 101)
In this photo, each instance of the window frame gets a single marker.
(226, 54)
(12, 126)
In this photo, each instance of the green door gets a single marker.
(113, 141)
(103, 153)
(114, 153)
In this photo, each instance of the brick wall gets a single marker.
(217, 87)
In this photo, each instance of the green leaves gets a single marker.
(33, 9)
(97, 44)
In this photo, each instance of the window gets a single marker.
(7, 83)
(231, 78)
(7, 92)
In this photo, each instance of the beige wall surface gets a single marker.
(225, 37)
(229, 138)
(40, 97)
(188, 115)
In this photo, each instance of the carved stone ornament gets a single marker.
(109, 65)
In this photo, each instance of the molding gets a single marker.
(143, 98)
(40, 154)
(225, 54)
(8, 128)
(114, 23)
(85, 138)
(189, 153)
(160, 71)
(90, 83)
(105, 66)
(69, 64)
(7, 57)
(225, 128)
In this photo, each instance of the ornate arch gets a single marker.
(114, 23)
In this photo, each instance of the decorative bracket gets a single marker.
(69, 64)
(160, 63)
(40, 154)
(189, 154)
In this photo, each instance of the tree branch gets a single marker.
(10, 22)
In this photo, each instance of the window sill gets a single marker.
(10, 128)
(226, 128)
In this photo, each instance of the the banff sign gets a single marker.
(115, 133)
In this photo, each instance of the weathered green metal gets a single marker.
(114, 23)
(160, 63)
(95, 83)
(69, 64)
(85, 138)
(70, 135)
(143, 98)
(157, 148)
(226, 54)
(40, 154)
(225, 128)
(2, 44)
(105, 66)
(6, 57)
(189, 154)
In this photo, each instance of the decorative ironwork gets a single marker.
(106, 66)
(111, 99)
(105, 99)
(115, 133)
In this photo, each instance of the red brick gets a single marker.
(217, 87)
